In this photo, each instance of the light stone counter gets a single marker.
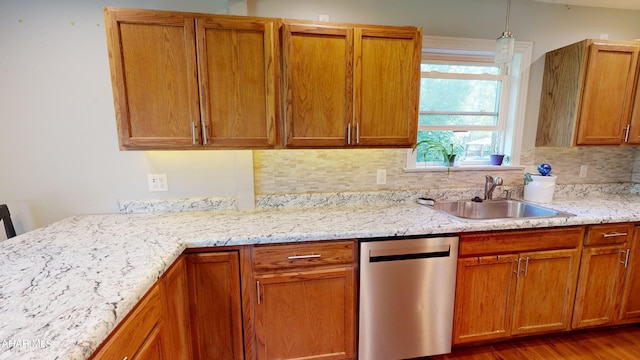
(66, 286)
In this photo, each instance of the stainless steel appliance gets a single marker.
(407, 288)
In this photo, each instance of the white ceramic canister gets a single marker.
(541, 189)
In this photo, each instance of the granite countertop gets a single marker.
(66, 286)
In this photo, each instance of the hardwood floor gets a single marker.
(613, 344)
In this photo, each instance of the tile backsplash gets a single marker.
(340, 170)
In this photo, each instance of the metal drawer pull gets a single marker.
(297, 257)
(614, 234)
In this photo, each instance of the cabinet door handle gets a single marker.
(205, 139)
(258, 290)
(193, 132)
(614, 234)
(526, 266)
(297, 257)
(518, 270)
(626, 257)
(358, 133)
(349, 134)
(626, 133)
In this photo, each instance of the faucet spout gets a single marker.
(490, 185)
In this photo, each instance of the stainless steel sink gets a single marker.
(496, 209)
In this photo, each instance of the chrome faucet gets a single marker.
(490, 185)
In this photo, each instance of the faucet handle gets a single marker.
(507, 194)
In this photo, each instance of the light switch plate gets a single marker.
(381, 177)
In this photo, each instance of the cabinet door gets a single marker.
(634, 123)
(152, 349)
(607, 93)
(630, 302)
(545, 291)
(237, 67)
(138, 332)
(153, 72)
(176, 324)
(216, 317)
(386, 85)
(308, 315)
(318, 70)
(601, 273)
(484, 298)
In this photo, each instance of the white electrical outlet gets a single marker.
(583, 170)
(381, 177)
(158, 182)
(323, 17)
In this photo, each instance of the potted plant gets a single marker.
(448, 152)
(496, 159)
(497, 156)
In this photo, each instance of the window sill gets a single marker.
(465, 168)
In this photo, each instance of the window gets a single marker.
(470, 103)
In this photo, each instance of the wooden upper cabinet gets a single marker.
(153, 73)
(350, 85)
(387, 85)
(184, 80)
(238, 68)
(318, 70)
(587, 94)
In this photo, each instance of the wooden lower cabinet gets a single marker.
(501, 292)
(601, 275)
(216, 310)
(139, 335)
(484, 298)
(545, 291)
(177, 324)
(305, 301)
(630, 301)
(609, 278)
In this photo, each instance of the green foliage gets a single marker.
(446, 149)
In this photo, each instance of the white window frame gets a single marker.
(511, 121)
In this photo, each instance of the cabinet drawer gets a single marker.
(133, 331)
(513, 241)
(300, 255)
(608, 234)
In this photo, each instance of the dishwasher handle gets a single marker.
(409, 254)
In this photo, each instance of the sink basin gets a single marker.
(496, 209)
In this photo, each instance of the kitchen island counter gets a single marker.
(66, 286)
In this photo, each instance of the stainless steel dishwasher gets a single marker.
(407, 288)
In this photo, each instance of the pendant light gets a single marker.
(506, 42)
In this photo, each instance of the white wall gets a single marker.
(58, 148)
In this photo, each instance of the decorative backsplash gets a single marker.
(313, 171)
(304, 178)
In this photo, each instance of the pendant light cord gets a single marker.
(506, 28)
